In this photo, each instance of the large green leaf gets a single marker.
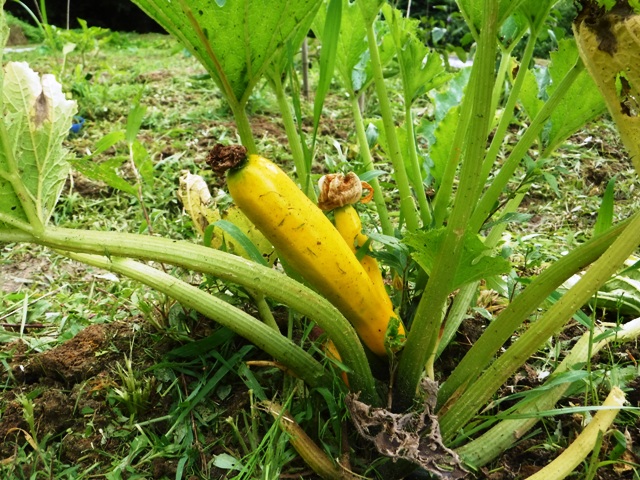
(37, 116)
(475, 11)
(582, 103)
(352, 51)
(421, 68)
(476, 262)
(235, 40)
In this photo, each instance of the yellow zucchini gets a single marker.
(348, 224)
(309, 243)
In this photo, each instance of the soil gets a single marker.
(68, 387)
(64, 384)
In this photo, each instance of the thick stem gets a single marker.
(466, 406)
(491, 195)
(260, 334)
(422, 340)
(230, 268)
(505, 434)
(503, 327)
(407, 205)
(378, 196)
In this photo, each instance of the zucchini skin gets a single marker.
(306, 239)
(348, 224)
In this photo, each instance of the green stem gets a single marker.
(264, 310)
(464, 297)
(503, 327)
(295, 142)
(229, 268)
(549, 324)
(27, 201)
(260, 334)
(421, 344)
(444, 193)
(14, 222)
(509, 109)
(244, 127)
(491, 195)
(407, 205)
(416, 169)
(502, 436)
(378, 196)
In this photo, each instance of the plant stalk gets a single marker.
(509, 109)
(407, 205)
(295, 142)
(421, 344)
(444, 193)
(260, 334)
(491, 195)
(466, 405)
(378, 196)
(230, 268)
(416, 169)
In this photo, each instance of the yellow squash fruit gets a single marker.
(306, 240)
(347, 222)
(609, 45)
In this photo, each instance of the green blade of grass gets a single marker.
(605, 213)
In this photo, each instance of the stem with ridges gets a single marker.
(502, 328)
(378, 196)
(230, 268)
(550, 323)
(491, 195)
(421, 344)
(407, 205)
(295, 142)
(260, 334)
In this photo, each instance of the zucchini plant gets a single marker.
(439, 249)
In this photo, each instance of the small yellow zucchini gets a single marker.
(348, 223)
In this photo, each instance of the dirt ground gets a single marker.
(68, 387)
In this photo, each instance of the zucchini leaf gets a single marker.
(476, 262)
(580, 104)
(235, 41)
(38, 116)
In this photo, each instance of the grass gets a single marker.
(103, 378)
